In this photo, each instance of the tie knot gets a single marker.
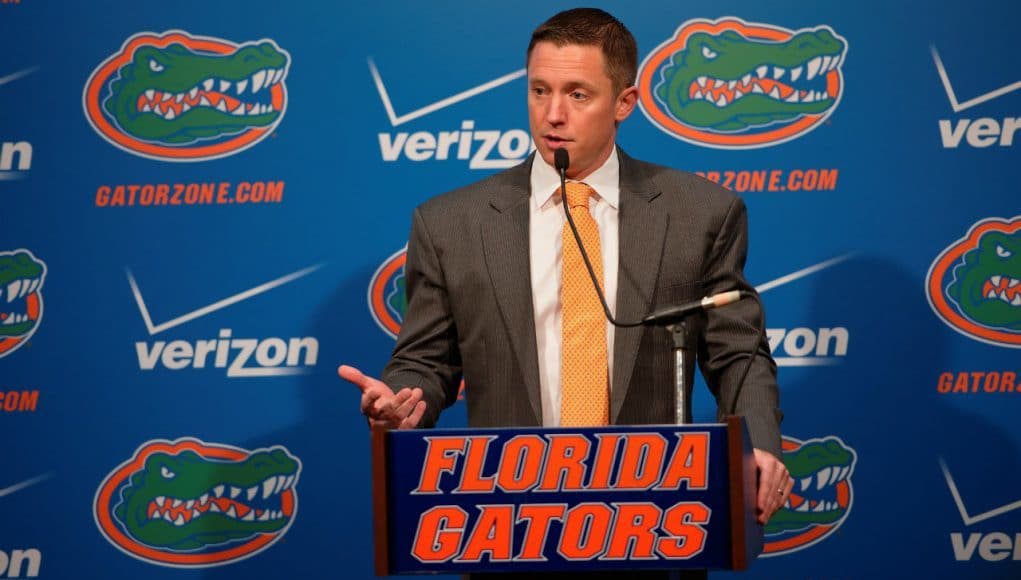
(578, 194)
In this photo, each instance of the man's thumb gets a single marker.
(353, 375)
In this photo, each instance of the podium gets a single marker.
(649, 497)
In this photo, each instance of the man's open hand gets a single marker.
(775, 485)
(379, 403)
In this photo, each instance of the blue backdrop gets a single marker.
(205, 206)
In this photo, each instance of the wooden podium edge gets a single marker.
(381, 517)
(739, 493)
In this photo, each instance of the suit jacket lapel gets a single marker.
(642, 234)
(506, 249)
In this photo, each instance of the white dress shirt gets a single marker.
(546, 222)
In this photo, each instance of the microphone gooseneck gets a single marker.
(661, 317)
(561, 161)
(664, 316)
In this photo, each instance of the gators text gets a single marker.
(563, 464)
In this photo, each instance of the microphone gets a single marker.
(674, 313)
(561, 161)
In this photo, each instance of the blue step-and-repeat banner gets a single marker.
(205, 206)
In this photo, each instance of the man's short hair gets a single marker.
(593, 27)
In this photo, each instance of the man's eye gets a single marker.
(576, 95)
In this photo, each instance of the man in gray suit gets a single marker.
(484, 267)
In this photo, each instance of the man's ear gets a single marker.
(626, 101)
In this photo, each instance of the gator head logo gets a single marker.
(22, 276)
(178, 97)
(191, 504)
(387, 302)
(974, 285)
(729, 84)
(821, 498)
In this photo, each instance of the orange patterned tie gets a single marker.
(584, 384)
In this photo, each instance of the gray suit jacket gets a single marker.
(470, 302)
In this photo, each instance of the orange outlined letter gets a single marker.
(440, 457)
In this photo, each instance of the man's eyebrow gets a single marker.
(570, 85)
(582, 84)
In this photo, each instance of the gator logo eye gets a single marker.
(192, 504)
(974, 284)
(757, 85)
(822, 496)
(22, 276)
(174, 96)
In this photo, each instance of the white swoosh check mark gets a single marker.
(22, 485)
(958, 107)
(441, 104)
(968, 519)
(219, 305)
(15, 76)
(802, 273)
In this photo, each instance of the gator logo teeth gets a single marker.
(192, 504)
(178, 97)
(729, 84)
(974, 285)
(821, 498)
(22, 276)
(387, 301)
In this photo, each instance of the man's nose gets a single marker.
(556, 113)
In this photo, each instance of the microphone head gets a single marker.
(561, 160)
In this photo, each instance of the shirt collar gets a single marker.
(545, 181)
